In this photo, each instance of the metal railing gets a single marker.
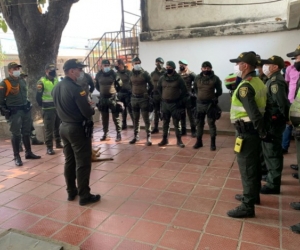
(112, 46)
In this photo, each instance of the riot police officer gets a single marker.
(155, 75)
(140, 100)
(16, 108)
(173, 91)
(74, 110)
(43, 97)
(108, 86)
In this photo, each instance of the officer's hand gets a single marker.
(268, 138)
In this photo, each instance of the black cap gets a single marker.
(73, 64)
(159, 59)
(206, 64)
(105, 61)
(246, 57)
(276, 60)
(50, 66)
(13, 65)
(295, 53)
(136, 59)
(171, 64)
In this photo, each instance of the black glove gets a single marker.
(268, 138)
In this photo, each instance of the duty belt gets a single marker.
(15, 108)
(170, 101)
(138, 96)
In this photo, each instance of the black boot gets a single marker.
(164, 141)
(124, 125)
(15, 142)
(183, 131)
(28, 152)
(155, 129)
(193, 132)
(58, 144)
(21, 146)
(199, 143)
(104, 137)
(50, 151)
(213, 143)
(179, 142)
(135, 139)
(149, 142)
(118, 138)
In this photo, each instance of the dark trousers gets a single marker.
(169, 111)
(201, 113)
(77, 151)
(51, 125)
(125, 99)
(286, 138)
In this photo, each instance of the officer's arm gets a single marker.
(218, 86)
(279, 96)
(39, 93)
(97, 83)
(2, 94)
(90, 83)
(82, 103)
(149, 81)
(246, 95)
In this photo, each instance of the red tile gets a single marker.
(174, 167)
(262, 235)
(198, 161)
(133, 208)
(181, 159)
(99, 241)
(217, 172)
(44, 207)
(144, 194)
(199, 204)
(132, 245)
(145, 171)
(21, 221)
(266, 216)
(248, 246)
(108, 203)
(180, 239)
(222, 207)
(190, 220)
(210, 180)
(148, 232)
(161, 157)
(46, 227)
(66, 212)
(122, 191)
(6, 213)
(101, 187)
(180, 187)
(228, 195)
(44, 177)
(290, 218)
(195, 169)
(158, 184)
(153, 164)
(206, 191)
(234, 184)
(8, 183)
(207, 155)
(135, 180)
(107, 166)
(290, 240)
(186, 152)
(72, 234)
(60, 195)
(26, 186)
(165, 174)
(59, 181)
(114, 177)
(160, 214)
(219, 226)
(23, 202)
(7, 196)
(171, 199)
(90, 218)
(125, 168)
(214, 242)
(221, 164)
(187, 177)
(44, 190)
(117, 224)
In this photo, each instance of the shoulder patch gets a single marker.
(274, 88)
(243, 91)
(82, 93)
(273, 78)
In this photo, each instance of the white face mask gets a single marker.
(237, 70)
(137, 67)
(266, 69)
(106, 69)
(16, 73)
(257, 72)
(81, 76)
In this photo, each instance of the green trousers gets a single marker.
(250, 168)
(51, 125)
(140, 105)
(169, 111)
(188, 105)
(77, 151)
(201, 114)
(157, 103)
(273, 155)
(125, 99)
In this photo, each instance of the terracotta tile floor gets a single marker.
(152, 198)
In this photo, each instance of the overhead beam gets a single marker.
(293, 14)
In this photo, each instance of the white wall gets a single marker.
(218, 50)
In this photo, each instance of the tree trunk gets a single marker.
(37, 36)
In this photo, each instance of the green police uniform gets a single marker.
(13, 100)
(173, 91)
(73, 108)
(51, 120)
(276, 116)
(87, 84)
(141, 89)
(208, 88)
(107, 84)
(124, 95)
(155, 76)
(248, 104)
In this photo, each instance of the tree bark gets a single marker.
(37, 36)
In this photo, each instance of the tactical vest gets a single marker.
(237, 110)
(125, 78)
(206, 88)
(16, 92)
(155, 77)
(295, 109)
(107, 84)
(186, 76)
(170, 90)
(139, 84)
(48, 87)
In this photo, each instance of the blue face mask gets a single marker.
(106, 69)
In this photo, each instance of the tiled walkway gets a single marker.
(152, 198)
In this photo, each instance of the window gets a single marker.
(175, 4)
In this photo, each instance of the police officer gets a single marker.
(108, 86)
(88, 85)
(141, 89)
(277, 114)
(44, 99)
(124, 94)
(173, 91)
(188, 76)
(15, 106)
(73, 108)
(247, 110)
(295, 121)
(155, 75)
(208, 88)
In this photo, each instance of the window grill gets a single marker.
(171, 5)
